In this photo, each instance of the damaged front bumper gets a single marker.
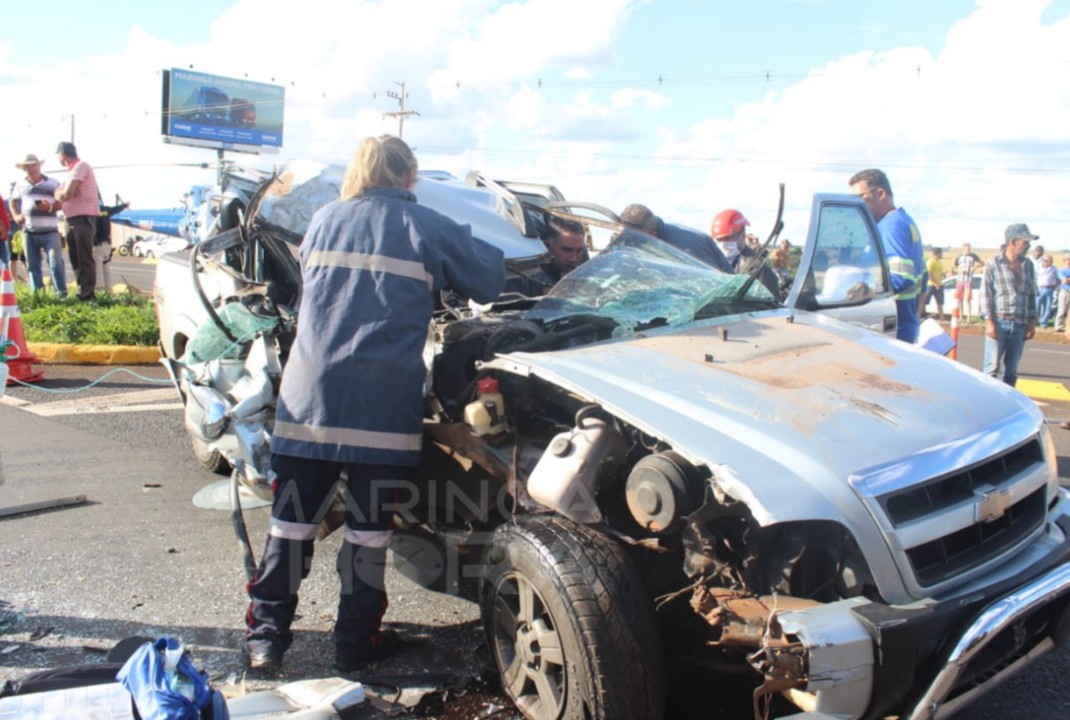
(924, 661)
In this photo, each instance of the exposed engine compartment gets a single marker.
(700, 551)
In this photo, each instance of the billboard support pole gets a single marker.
(219, 167)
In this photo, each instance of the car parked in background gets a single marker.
(154, 246)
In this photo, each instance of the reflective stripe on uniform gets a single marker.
(292, 530)
(369, 538)
(375, 263)
(904, 268)
(901, 266)
(348, 436)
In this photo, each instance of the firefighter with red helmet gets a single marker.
(729, 229)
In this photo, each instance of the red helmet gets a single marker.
(727, 222)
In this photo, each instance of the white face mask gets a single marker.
(730, 250)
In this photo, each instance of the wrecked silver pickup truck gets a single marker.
(679, 465)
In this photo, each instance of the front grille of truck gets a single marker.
(937, 495)
(946, 557)
(952, 548)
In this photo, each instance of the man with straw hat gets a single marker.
(34, 207)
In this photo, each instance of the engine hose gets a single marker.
(196, 276)
(237, 519)
(587, 411)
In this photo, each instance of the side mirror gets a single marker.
(845, 285)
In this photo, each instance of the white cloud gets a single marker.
(972, 138)
(973, 141)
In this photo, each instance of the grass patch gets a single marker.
(104, 320)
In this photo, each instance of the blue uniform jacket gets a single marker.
(352, 390)
(696, 244)
(906, 261)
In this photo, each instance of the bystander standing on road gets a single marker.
(102, 248)
(1064, 295)
(782, 260)
(373, 262)
(965, 265)
(34, 207)
(902, 246)
(1047, 286)
(1035, 257)
(16, 247)
(5, 228)
(935, 268)
(80, 197)
(1009, 304)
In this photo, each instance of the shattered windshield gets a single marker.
(639, 281)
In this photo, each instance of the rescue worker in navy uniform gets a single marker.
(352, 391)
(729, 229)
(696, 244)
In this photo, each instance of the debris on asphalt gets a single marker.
(42, 505)
(41, 632)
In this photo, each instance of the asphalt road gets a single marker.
(1043, 360)
(133, 271)
(139, 558)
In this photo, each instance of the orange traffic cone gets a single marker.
(20, 360)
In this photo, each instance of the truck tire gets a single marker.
(570, 623)
(211, 460)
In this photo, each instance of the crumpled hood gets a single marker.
(774, 400)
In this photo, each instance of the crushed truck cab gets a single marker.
(679, 465)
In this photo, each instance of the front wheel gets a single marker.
(210, 459)
(570, 624)
(150, 254)
(123, 251)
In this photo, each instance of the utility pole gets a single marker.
(401, 113)
(72, 125)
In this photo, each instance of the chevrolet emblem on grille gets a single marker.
(991, 506)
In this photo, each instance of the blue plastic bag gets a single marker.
(145, 678)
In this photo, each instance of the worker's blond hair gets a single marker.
(385, 161)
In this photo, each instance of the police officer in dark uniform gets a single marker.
(352, 391)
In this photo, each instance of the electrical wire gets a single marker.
(113, 371)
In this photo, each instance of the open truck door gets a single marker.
(843, 271)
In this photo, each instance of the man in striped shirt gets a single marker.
(81, 206)
(1009, 304)
(33, 207)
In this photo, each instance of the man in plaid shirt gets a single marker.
(1009, 304)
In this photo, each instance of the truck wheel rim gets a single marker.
(528, 649)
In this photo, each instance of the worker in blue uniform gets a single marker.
(697, 244)
(902, 247)
(351, 396)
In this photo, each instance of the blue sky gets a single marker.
(689, 106)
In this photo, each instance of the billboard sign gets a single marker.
(221, 112)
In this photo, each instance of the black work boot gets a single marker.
(361, 605)
(273, 600)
